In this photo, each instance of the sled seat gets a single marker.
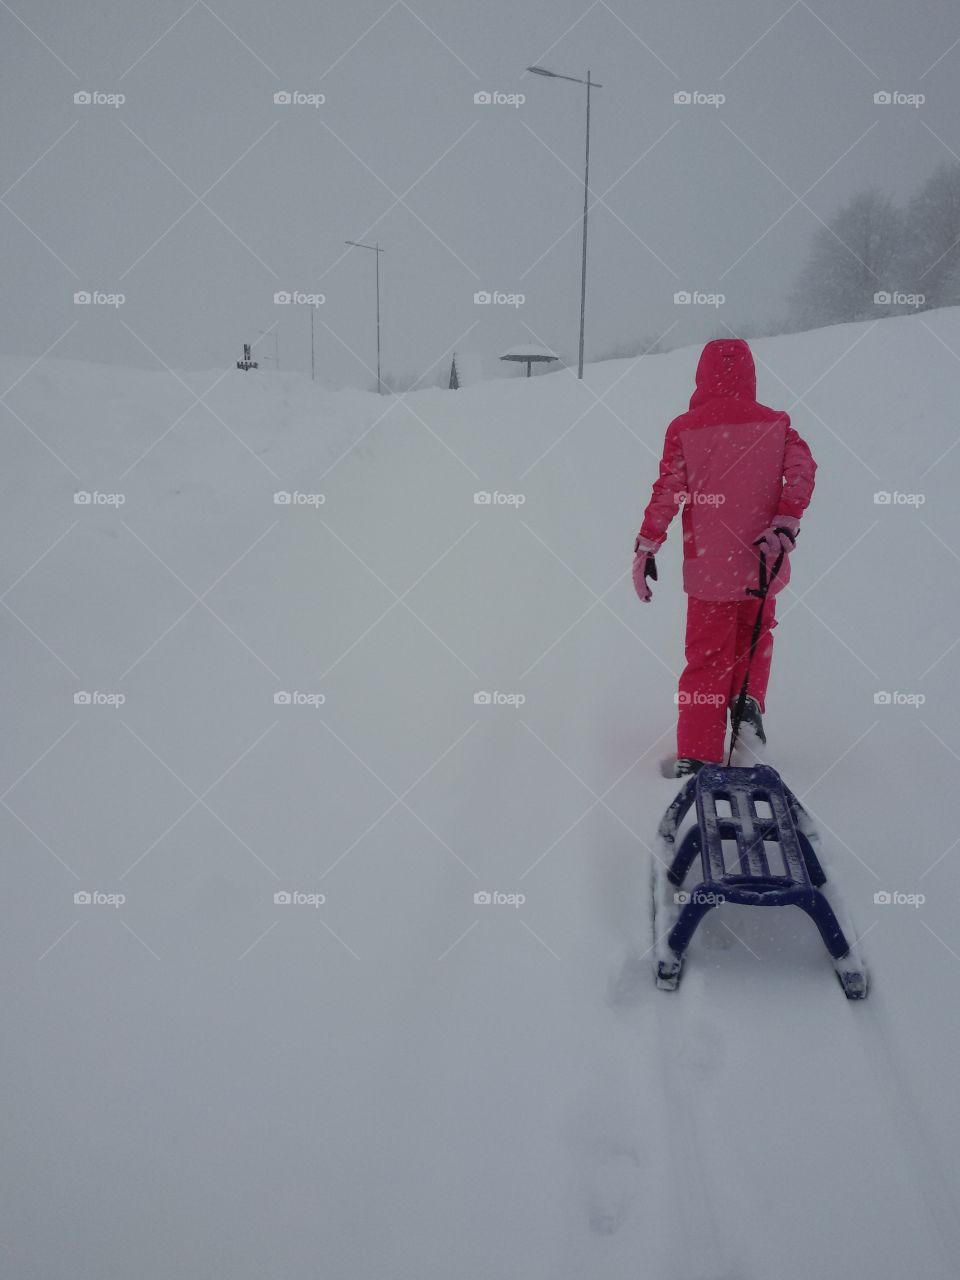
(753, 849)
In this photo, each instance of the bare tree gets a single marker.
(850, 261)
(632, 348)
(395, 383)
(932, 252)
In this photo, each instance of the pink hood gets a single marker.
(726, 368)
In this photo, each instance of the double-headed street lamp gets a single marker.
(591, 84)
(377, 250)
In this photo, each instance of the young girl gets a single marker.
(744, 478)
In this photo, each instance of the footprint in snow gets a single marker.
(702, 1049)
(716, 934)
(612, 1180)
(631, 978)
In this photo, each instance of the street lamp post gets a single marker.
(591, 84)
(377, 250)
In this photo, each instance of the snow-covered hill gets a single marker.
(396, 1080)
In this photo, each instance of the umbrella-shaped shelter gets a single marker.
(529, 356)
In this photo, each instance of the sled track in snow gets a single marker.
(692, 1169)
(883, 1062)
(701, 1237)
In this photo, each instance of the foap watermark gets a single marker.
(898, 298)
(695, 298)
(699, 499)
(297, 98)
(683, 698)
(297, 298)
(702, 898)
(486, 898)
(94, 498)
(886, 498)
(895, 98)
(498, 298)
(96, 98)
(286, 498)
(95, 698)
(882, 898)
(483, 698)
(296, 898)
(886, 698)
(294, 698)
(96, 898)
(485, 498)
(696, 98)
(495, 98)
(97, 298)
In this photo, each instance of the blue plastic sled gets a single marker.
(746, 820)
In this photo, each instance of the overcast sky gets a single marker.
(198, 197)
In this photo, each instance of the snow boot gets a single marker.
(685, 766)
(752, 719)
(680, 767)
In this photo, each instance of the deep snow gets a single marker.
(400, 1082)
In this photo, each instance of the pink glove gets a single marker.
(781, 536)
(644, 566)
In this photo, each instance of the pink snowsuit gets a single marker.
(735, 466)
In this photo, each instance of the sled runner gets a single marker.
(755, 842)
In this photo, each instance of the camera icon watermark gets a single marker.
(884, 698)
(886, 498)
(296, 898)
(701, 897)
(287, 698)
(95, 898)
(494, 98)
(699, 498)
(696, 98)
(698, 698)
(285, 498)
(484, 898)
(484, 698)
(898, 298)
(498, 298)
(86, 698)
(486, 498)
(295, 98)
(697, 298)
(94, 98)
(298, 298)
(86, 498)
(894, 98)
(896, 899)
(97, 298)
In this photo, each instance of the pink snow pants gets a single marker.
(717, 646)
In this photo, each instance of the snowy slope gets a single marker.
(399, 1081)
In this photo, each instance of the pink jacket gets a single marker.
(735, 466)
